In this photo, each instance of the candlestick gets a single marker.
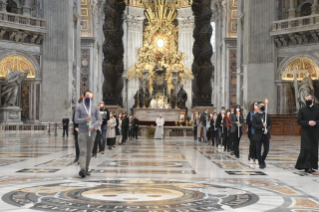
(223, 123)
(90, 122)
(266, 102)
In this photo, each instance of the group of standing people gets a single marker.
(224, 130)
(95, 127)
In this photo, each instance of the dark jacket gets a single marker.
(65, 122)
(125, 122)
(105, 115)
(135, 123)
(117, 130)
(219, 120)
(249, 124)
(212, 123)
(258, 126)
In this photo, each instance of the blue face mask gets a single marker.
(87, 100)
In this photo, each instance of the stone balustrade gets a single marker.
(12, 20)
(295, 25)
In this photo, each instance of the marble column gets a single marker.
(185, 43)
(3, 6)
(292, 10)
(133, 39)
(315, 7)
(26, 9)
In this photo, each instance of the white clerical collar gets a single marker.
(311, 105)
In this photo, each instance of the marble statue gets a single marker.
(9, 91)
(172, 99)
(181, 98)
(305, 88)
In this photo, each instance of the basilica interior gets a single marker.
(172, 59)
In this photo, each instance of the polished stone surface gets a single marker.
(175, 175)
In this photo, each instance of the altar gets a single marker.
(151, 114)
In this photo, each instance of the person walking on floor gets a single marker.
(119, 130)
(228, 125)
(136, 124)
(250, 132)
(76, 135)
(225, 131)
(125, 128)
(88, 117)
(111, 131)
(203, 120)
(262, 126)
(308, 119)
(65, 123)
(105, 117)
(195, 128)
(237, 121)
(213, 129)
(130, 127)
(199, 127)
(219, 126)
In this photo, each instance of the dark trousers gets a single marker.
(77, 148)
(124, 133)
(65, 130)
(97, 142)
(225, 139)
(214, 136)
(195, 133)
(235, 140)
(208, 134)
(265, 142)
(135, 131)
(252, 148)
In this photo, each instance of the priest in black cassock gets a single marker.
(308, 119)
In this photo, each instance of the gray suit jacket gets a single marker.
(233, 121)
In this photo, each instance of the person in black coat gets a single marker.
(135, 126)
(213, 129)
(219, 126)
(65, 123)
(105, 117)
(195, 127)
(262, 126)
(76, 135)
(308, 119)
(203, 120)
(125, 125)
(250, 131)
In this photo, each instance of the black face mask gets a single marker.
(262, 108)
(308, 102)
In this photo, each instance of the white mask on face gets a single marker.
(101, 105)
(111, 115)
(223, 111)
(228, 113)
(237, 109)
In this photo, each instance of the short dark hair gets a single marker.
(87, 91)
(223, 107)
(309, 95)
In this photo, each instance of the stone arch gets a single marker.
(14, 6)
(298, 8)
(29, 57)
(287, 60)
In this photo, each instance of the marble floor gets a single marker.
(174, 175)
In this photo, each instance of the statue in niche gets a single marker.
(172, 99)
(9, 91)
(139, 98)
(181, 98)
(147, 98)
(305, 88)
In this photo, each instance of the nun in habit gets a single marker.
(159, 128)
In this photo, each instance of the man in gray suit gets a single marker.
(237, 121)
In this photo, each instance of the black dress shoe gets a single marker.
(309, 171)
(87, 173)
(237, 156)
(265, 164)
(76, 160)
(82, 173)
(261, 166)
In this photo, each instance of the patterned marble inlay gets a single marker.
(127, 163)
(304, 203)
(245, 173)
(38, 170)
(57, 163)
(4, 162)
(148, 157)
(143, 171)
(231, 165)
(22, 155)
(285, 165)
(282, 158)
(284, 190)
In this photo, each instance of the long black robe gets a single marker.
(308, 157)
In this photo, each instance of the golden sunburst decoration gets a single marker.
(160, 47)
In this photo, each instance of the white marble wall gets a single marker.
(185, 45)
(133, 39)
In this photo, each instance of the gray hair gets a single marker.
(309, 95)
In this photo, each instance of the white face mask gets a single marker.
(228, 113)
(237, 109)
(101, 105)
(223, 111)
(111, 115)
